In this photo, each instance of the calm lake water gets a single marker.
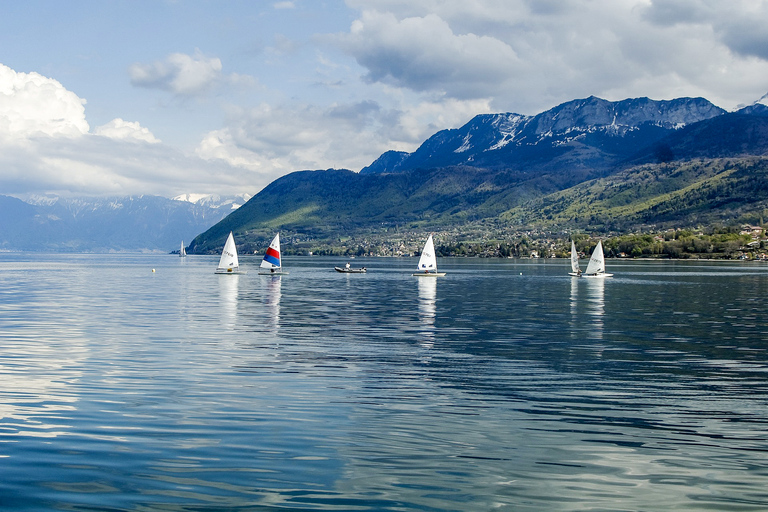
(505, 385)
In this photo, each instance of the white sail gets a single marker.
(228, 261)
(428, 261)
(182, 252)
(574, 258)
(272, 256)
(596, 261)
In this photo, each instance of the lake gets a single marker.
(505, 385)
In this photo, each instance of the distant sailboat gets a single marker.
(575, 270)
(428, 262)
(596, 266)
(182, 252)
(228, 263)
(272, 264)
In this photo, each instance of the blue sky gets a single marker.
(190, 96)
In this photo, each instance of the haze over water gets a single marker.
(504, 385)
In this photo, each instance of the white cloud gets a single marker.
(93, 165)
(45, 147)
(424, 54)
(738, 24)
(529, 55)
(31, 104)
(273, 141)
(179, 73)
(125, 130)
(284, 5)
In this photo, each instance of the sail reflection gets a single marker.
(228, 289)
(596, 305)
(272, 296)
(427, 309)
(574, 305)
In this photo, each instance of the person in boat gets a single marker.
(347, 266)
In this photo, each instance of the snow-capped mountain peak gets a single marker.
(214, 200)
(584, 127)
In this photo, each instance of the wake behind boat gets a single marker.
(427, 266)
(228, 264)
(272, 265)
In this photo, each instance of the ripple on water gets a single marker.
(483, 390)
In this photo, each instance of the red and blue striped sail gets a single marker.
(272, 257)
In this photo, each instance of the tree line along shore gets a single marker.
(729, 243)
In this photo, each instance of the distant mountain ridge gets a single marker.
(590, 132)
(493, 170)
(215, 200)
(128, 223)
(587, 164)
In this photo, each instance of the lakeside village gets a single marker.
(734, 243)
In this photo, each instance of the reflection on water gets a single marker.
(272, 296)
(323, 391)
(574, 304)
(228, 289)
(427, 309)
(595, 298)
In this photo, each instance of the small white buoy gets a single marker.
(153, 270)
(520, 272)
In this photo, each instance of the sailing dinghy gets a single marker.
(182, 251)
(228, 263)
(575, 270)
(271, 265)
(596, 266)
(428, 262)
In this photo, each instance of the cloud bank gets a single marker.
(46, 148)
(276, 140)
(388, 78)
(529, 55)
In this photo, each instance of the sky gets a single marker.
(171, 97)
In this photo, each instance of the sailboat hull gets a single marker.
(597, 275)
(275, 273)
(229, 271)
(429, 274)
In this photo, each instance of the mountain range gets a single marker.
(586, 165)
(503, 170)
(138, 223)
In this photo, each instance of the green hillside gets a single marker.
(322, 210)
(674, 194)
(709, 173)
(323, 205)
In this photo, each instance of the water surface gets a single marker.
(504, 385)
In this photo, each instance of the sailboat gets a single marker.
(271, 264)
(428, 262)
(575, 270)
(182, 252)
(228, 263)
(596, 266)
